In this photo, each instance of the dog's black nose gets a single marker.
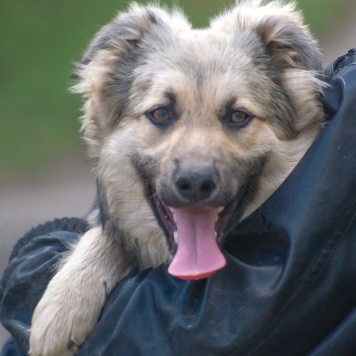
(195, 188)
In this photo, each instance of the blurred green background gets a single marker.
(40, 41)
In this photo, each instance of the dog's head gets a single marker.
(191, 130)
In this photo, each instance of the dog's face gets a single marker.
(191, 130)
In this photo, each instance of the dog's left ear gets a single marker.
(280, 28)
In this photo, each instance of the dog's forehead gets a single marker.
(201, 66)
(206, 52)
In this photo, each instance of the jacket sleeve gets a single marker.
(288, 287)
(31, 266)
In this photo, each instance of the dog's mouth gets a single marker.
(194, 235)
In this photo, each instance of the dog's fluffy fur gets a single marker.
(193, 120)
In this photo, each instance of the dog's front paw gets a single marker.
(63, 319)
(57, 328)
(71, 304)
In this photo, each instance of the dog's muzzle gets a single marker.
(194, 212)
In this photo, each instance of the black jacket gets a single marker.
(289, 287)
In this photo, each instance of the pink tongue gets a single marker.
(198, 255)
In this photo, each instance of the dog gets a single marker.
(189, 131)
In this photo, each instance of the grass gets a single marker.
(40, 42)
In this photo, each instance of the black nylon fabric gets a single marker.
(289, 287)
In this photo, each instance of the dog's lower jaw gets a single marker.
(72, 302)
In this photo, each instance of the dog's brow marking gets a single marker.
(171, 96)
(228, 105)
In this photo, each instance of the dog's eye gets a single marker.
(159, 115)
(238, 117)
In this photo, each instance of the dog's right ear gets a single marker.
(105, 72)
(124, 33)
(121, 35)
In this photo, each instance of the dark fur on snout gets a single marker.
(211, 121)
